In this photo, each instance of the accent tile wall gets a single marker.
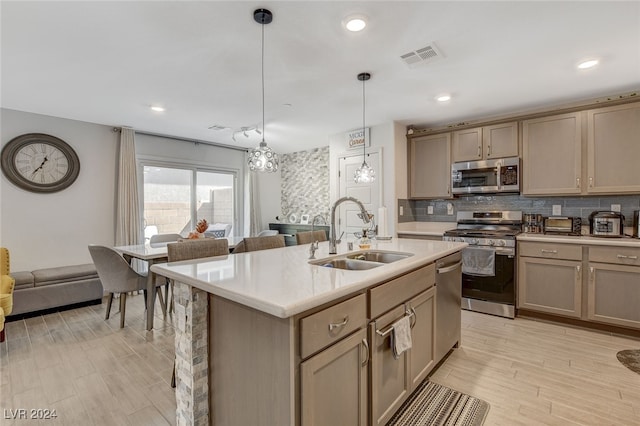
(416, 210)
(305, 183)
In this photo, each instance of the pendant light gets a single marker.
(364, 174)
(262, 158)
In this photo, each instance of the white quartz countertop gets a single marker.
(583, 240)
(281, 282)
(436, 229)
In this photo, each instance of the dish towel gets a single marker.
(479, 261)
(401, 336)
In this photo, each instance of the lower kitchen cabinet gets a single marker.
(422, 353)
(550, 278)
(334, 385)
(614, 287)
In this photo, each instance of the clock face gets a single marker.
(40, 163)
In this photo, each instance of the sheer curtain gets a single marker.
(254, 205)
(128, 230)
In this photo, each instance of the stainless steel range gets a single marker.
(489, 263)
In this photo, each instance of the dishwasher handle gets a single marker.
(450, 268)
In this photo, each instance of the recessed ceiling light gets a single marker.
(355, 23)
(443, 98)
(588, 64)
(157, 108)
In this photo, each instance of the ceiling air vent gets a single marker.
(423, 55)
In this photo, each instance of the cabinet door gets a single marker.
(390, 383)
(334, 384)
(422, 353)
(552, 155)
(614, 294)
(550, 285)
(500, 140)
(430, 166)
(613, 149)
(466, 145)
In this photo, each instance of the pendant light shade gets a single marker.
(262, 158)
(364, 174)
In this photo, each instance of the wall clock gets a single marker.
(40, 163)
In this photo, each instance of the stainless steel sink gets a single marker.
(343, 263)
(379, 256)
(362, 260)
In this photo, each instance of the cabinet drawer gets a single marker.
(550, 250)
(323, 328)
(397, 291)
(617, 255)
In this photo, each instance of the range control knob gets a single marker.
(473, 241)
(501, 242)
(491, 243)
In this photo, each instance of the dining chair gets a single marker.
(307, 237)
(164, 238)
(117, 276)
(194, 249)
(267, 233)
(259, 243)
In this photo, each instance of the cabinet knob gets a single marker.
(479, 151)
(489, 150)
(366, 349)
(590, 181)
(578, 182)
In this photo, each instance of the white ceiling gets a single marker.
(107, 62)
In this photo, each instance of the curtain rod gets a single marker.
(182, 139)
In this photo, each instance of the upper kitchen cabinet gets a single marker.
(613, 149)
(552, 155)
(430, 166)
(483, 143)
(553, 147)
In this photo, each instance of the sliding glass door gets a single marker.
(177, 197)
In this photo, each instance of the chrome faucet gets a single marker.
(313, 222)
(332, 238)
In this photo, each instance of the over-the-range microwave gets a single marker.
(489, 176)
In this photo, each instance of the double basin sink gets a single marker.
(361, 260)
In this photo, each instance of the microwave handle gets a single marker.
(499, 176)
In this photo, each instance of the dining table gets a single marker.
(152, 254)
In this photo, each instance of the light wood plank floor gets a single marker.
(537, 373)
(94, 373)
(89, 370)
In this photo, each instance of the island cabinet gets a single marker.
(614, 286)
(334, 382)
(430, 166)
(393, 379)
(483, 143)
(550, 278)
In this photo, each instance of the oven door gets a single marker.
(496, 288)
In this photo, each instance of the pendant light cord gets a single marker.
(364, 141)
(262, 82)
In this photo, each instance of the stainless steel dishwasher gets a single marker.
(448, 299)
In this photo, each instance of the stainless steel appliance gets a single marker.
(562, 225)
(606, 224)
(489, 263)
(448, 302)
(636, 223)
(489, 176)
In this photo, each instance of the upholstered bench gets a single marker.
(49, 288)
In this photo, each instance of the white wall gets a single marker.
(47, 230)
(382, 136)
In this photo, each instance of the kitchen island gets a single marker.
(259, 335)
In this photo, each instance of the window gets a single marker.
(175, 198)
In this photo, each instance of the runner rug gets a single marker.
(433, 404)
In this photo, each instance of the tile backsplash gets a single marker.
(305, 183)
(417, 210)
